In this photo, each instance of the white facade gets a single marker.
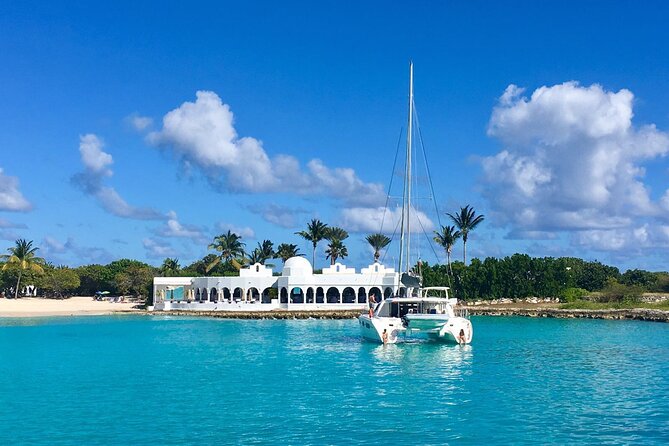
(257, 289)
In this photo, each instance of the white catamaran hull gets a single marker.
(447, 330)
(372, 328)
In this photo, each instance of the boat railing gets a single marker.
(461, 312)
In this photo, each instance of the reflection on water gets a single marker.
(523, 381)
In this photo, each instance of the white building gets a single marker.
(297, 288)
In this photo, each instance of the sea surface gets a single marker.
(142, 380)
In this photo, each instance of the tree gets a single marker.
(94, 278)
(446, 238)
(59, 281)
(262, 253)
(336, 249)
(136, 280)
(466, 221)
(285, 251)
(22, 257)
(230, 246)
(377, 242)
(316, 231)
(170, 267)
(256, 256)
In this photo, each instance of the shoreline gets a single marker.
(638, 314)
(34, 307)
(86, 306)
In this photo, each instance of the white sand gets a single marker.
(73, 306)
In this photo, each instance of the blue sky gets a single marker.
(144, 130)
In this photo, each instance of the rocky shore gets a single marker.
(478, 310)
(326, 314)
(639, 314)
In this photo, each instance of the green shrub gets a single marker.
(617, 292)
(573, 294)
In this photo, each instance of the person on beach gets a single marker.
(461, 337)
(384, 336)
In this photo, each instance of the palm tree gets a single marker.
(336, 236)
(316, 231)
(22, 257)
(447, 238)
(336, 249)
(378, 242)
(256, 256)
(229, 246)
(266, 251)
(170, 267)
(466, 221)
(285, 251)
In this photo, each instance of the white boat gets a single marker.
(417, 312)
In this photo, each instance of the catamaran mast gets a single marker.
(405, 234)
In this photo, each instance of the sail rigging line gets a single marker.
(390, 185)
(427, 167)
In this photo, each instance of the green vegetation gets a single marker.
(22, 258)
(377, 242)
(578, 283)
(316, 231)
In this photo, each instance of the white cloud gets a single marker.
(629, 240)
(95, 160)
(11, 198)
(202, 134)
(243, 231)
(173, 228)
(158, 249)
(138, 122)
(97, 166)
(71, 252)
(372, 220)
(282, 216)
(571, 162)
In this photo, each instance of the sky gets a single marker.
(144, 129)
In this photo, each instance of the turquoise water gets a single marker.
(166, 380)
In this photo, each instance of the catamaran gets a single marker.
(417, 311)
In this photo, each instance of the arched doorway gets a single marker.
(320, 295)
(362, 296)
(238, 294)
(226, 294)
(388, 293)
(297, 296)
(267, 295)
(284, 296)
(348, 297)
(377, 294)
(213, 295)
(310, 296)
(333, 295)
(253, 294)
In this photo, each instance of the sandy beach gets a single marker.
(74, 306)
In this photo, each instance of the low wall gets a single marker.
(640, 314)
(276, 314)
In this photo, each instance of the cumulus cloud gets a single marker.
(158, 249)
(72, 253)
(97, 167)
(362, 219)
(11, 198)
(283, 216)
(242, 231)
(174, 228)
(202, 134)
(572, 161)
(629, 240)
(138, 122)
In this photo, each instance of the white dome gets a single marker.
(297, 266)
